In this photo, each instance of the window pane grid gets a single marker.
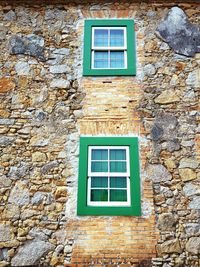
(112, 45)
(108, 193)
(108, 176)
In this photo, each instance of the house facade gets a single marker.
(99, 133)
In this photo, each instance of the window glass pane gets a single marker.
(99, 154)
(117, 38)
(118, 154)
(117, 166)
(118, 195)
(99, 195)
(118, 182)
(100, 38)
(99, 166)
(99, 182)
(100, 59)
(117, 59)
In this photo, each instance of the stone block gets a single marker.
(19, 194)
(157, 173)
(193, 245)
(6, 85)
(38, 157)
(31, 252)
(187, 174)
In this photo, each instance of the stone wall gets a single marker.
(46, 105)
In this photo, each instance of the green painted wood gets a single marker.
(135, 208)
(131, 53)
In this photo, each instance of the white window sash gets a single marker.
(109, 175)
(124, 47)
(108, 203)
(110, 48)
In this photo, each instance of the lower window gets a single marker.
(109, 181)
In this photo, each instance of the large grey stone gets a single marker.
(37, 198)
(193, 245)
(31, 253)
(164, 127)
(22, 68)
(190, 189)
(60, 83)
(149, 70)
(181, 35)
(36, 39)
(188, 163)
(167, 222)
(7, 121)
(6, 140)
(38, 234)
(58, 69)
(49, 166)
(195, 203)
(192, 228)
(193, 79)
(158, 173)
(31, 45)
(19, 194)
(10, 15)
(62, 51)
(18, 171)
(4, 181)
(5, 233)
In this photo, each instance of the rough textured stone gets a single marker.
(59, 69)
(181, 35)
(170, 246)
(30, 45)
(187, 174)
(38, 234)
(37, 198)
(190, 189)
(167, 222)
(193, 79)
(6, 141)
(165, 128)
(22, 68)
(194, 203)
(167, 97)
(5, 233)
(192, 228)
(38, 156)
(6, 85)
(19, 194)
(149, 70)
(188, 163)
(38, 141)
(4, 181)
(7, 121)
(60, 83)
(193, 245)
(49, 166)
(31, 253)
(157, 173)
(19, 171)
(10, 15)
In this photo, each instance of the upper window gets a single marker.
(108, 176)
(109, 47)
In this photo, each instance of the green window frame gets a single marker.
(130, 69)
(134, 209)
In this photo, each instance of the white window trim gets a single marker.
(109, 48)
(109, 174)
